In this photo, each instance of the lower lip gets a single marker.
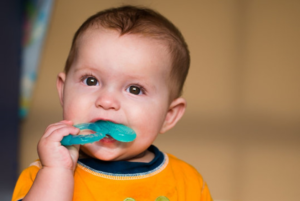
(108, 140)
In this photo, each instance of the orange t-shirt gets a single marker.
(172, 180)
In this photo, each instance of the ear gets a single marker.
(60, 83)
(175, 112)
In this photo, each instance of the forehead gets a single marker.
(104, 46)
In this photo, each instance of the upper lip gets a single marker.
(102, 119)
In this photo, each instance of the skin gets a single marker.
(122, 79)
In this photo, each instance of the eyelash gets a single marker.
(143, 90)
(83, 77)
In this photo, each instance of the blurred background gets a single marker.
(241, 129)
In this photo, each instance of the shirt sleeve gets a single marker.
(205, 194)
(25, 182)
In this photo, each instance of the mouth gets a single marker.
(90, 132)
(105, 131)
(107, 139)
(103, 119)
(107, 136)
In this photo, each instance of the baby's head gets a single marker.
(146, 23)
(126, 65)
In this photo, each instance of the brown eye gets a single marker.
(134, 90)
(91, 81)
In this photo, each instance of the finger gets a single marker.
(56, 126)
(60, 132)
(74, 150)
(67, 122)
(51, 129)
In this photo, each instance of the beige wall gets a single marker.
(242, 126)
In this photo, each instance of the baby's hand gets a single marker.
(52, 154)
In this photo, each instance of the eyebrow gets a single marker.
(85, 68)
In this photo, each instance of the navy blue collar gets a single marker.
(124, 167)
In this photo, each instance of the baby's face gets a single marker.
(123, 79)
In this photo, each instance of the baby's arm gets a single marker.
(55, 180)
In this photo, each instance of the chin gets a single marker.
(106, 158)
(101, 155)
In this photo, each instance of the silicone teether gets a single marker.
(102, 128)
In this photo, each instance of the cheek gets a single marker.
(68, 112)
(74, 107)
(148, 120)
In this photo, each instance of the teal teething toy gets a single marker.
(119, 132)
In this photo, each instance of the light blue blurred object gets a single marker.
(119, 132)
(36, 21)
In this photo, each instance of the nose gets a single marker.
(108, 101)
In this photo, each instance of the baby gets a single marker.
(127, 65)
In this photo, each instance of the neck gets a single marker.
(144, 157)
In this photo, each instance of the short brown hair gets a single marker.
(142, 21)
